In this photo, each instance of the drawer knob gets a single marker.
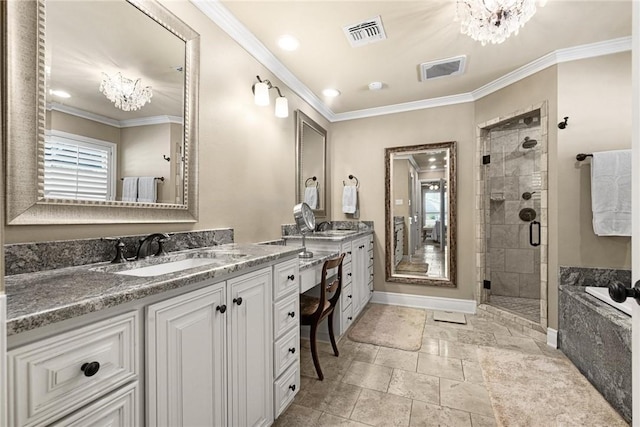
(349, 274)
(238, 300)
(349, 252)
(90, 369)
(292, 387)
(350, 318)
(221, 308)
(292, 314)
(349, 296)
(291, 277)
(292, 350)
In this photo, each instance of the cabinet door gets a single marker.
(250, 350)
(360, 282)
(186, 359)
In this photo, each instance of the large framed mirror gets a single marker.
(311, 164)
(101, 113)
(420, 214)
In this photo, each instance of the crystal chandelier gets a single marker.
(126, 94)
(492, 21)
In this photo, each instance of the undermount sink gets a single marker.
(169, 267)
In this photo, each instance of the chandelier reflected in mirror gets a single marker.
(125, 93)
(493, 21)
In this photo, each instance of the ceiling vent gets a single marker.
(369, 31)
(442, 68)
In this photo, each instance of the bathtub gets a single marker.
(603, 295)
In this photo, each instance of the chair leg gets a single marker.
(331, 336)
(314, 352)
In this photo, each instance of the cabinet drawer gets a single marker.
(346, 319)
(346, 249)
(286, 388)
(286, 278)
(371, 242)
(46, 380)
(369, 274)
(346, 296)
(286, 351)
(370, 258)
(347, 274)
(119, 409)
(286, 314)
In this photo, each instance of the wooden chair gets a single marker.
(315, 309)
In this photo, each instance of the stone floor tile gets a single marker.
(490, 326)
(367, 375)
(400, 359)
(429, 415)
(430, 345)
(465, 396)
(482, 421)
(296, 416)
(550, 351)
(332, 367)
(434, 331)
(334, 397)
(439, 366)
(525, 345)
(459, 350)
(382, 409)
(422, 387)
(476, 337)
(328, 420)
(359, 351)
(472, 372)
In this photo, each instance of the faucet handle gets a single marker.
(161, 243)
(119, 258)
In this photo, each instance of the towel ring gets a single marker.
(351, 177)
(313, 178)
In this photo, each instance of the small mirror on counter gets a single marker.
(420, 214)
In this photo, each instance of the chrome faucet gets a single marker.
(323, 226)
(144, 250)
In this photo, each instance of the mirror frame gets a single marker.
(301, 120)
(451, 217)
(24, 107)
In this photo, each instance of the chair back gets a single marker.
(335, 286)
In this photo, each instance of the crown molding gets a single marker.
(144, 121)
(221, 16)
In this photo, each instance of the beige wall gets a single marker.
(78, 126)
(358, 147)
(247, 169)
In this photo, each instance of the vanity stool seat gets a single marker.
(315, 309)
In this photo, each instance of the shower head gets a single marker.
(529, 143)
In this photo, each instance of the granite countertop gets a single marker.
(319, 257)
(331, 235)
(41, 298)
(579, 294)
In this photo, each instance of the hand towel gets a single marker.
(130, 189)
(147, 189)
(349, 199)
(611, 193)
(311, 197)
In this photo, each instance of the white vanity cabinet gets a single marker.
(209, 355)
(361, 274)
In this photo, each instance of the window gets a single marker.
(431, 208)
(76, 167)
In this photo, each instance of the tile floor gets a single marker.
(430, 253)
(439, 385)
(528, 308)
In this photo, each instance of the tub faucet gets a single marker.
(144, 250)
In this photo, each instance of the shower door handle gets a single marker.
(531, 226)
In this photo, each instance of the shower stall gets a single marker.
(513, 193)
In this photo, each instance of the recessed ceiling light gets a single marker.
(60, 93)
(432, 159)
(432, 167)
(375, 85)
(288, 42)
(331, 93)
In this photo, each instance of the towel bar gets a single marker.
(352, 178)
(161, 178)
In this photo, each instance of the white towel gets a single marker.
(147, 189)
(611, 193)
(349, 199)
(311, 197)
(130, 189)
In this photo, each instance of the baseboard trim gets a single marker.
(430, 303)
(552, 337)
(3, 360)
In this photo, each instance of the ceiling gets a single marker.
(417, 32)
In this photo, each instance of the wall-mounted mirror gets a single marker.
(311, 171)
(115, 134)
(420, 214)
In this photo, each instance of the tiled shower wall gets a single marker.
(514, 263)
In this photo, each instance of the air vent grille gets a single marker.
(368, 31)
(443, 68)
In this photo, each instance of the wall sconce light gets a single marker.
(261, 97)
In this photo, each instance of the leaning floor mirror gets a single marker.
(420, 214)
